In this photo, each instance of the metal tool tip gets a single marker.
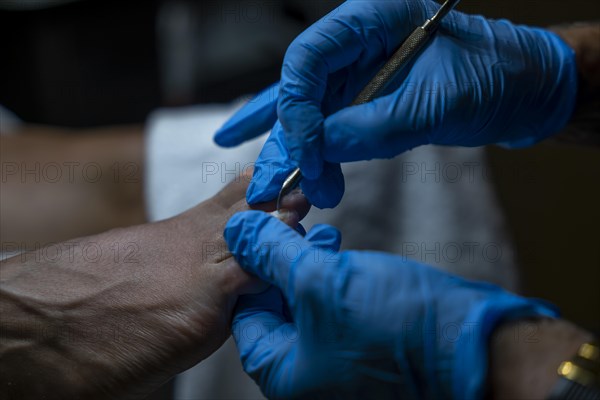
(289, 184)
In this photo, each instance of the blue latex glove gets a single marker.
(274, 164)
(477, 82)
(362, 324)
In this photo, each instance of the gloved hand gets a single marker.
(274, 164)
(478, 81)
(360, 324)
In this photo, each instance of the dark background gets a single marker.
(104, 62)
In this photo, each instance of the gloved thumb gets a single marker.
(253, 119)
(277, 254)
(265, 246)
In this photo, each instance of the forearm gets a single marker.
(525, 355)
(584, 39)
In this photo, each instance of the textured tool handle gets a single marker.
(401, 57)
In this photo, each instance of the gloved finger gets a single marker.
(325, 237)
(273, 166)
(336, 41)
(258, 330)
(360, 133)
(266, 247)
(253, 119)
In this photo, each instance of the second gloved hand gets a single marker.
(477, 82)
(362, 324)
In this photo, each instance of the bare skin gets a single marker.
(525, 355)
(119, 313)
(584, 39)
